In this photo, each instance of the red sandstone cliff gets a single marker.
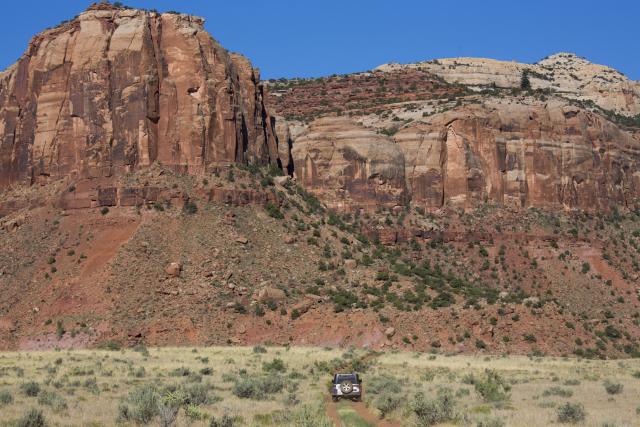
(117, 89)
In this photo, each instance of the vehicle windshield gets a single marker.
(346, 377)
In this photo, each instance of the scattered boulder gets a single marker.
(271, 294)
(281, 180)
(350, 264)
(390, 332)
(173, 269)
(303, 306)
(242, 240)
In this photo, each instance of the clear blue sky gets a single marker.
(287, 38)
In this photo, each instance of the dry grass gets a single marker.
(70, 374)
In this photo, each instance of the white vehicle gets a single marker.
(347, 386)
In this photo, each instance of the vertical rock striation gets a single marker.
(553, 156)
(118, 89)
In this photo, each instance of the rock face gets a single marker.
(349, 166)
(550, 156)
(575, 77)
(118, 89)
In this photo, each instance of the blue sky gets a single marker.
(287, 38)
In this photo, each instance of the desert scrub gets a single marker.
(557, 391)
(53, 400)
(194, 413)
(387, 393)
(32, 418)
(258, 388)
(140, 406)
(199, 394)
(303, 416)
(492, 388)
(30, 389)
(276, 365)
(6, 398)
(613, 388)
(571, 413)
(224, 421)
(429, 412)
(491, 422)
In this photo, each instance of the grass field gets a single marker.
(269, 386)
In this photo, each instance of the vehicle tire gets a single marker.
(357, 399)
(346, 387)
(335, 398)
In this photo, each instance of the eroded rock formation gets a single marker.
(118, 89)
(567, 73)
(349, 166)
(551, 156)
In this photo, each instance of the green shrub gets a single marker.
(6, 398)
(613, 388)
(525, 83)
(611, 332)
(194, 413)
(224, 421)
(198, 394)
(239, 308)
(110, 345)
(571, 413)
(258, 388)
(33, 418)
(491, 422)
(557, 391)
(142, 349)
(140, 372)
(31, 389)
(276, 365)
(180, 372)
(190, 207)
(435, 411)
(258, 349)
(387, 401)
(140, 406)
(59, 329)
(303, 416)
(382, 383)
(274, 211)
(492, 388)
(52, 399)
(104, 210)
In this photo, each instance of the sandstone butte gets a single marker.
(115, 90)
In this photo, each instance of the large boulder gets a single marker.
(271, 294)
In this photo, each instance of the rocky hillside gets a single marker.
(154, 191)
(566, 74)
